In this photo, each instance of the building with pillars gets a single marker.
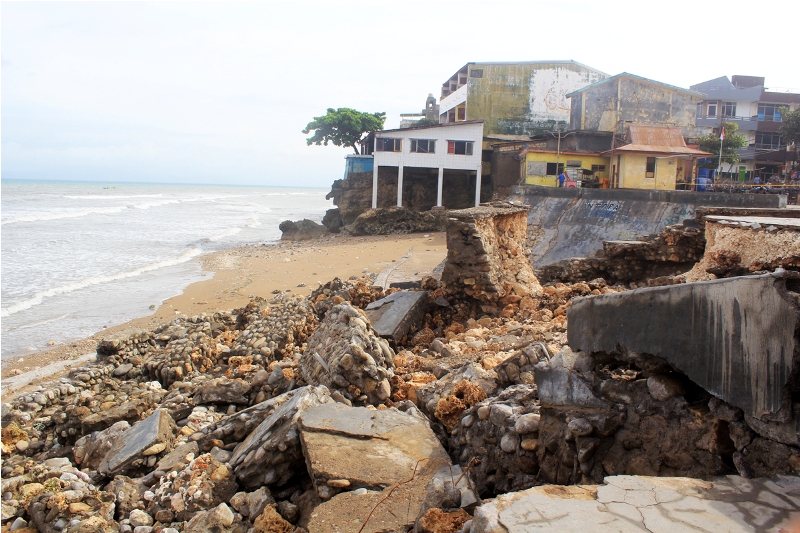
(442, 162)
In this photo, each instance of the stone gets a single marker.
(138, 517)
(271, 453)
(219, 519)
(270, 521)
(528, 423)
(390, 444)
(222, 390)
(122, 369)
(664, 387)
(252, 504)
(302, 230)
(177, 458)
(397, 314)
(157, 428)
(580, 427)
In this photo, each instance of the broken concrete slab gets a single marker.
(394, 316)
(388, 443)
(646, 504)
(156, 429)
(271, 453)
(734, 337)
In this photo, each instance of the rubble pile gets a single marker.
(651, 260)
(300, 415)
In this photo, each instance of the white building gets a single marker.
(443, 147)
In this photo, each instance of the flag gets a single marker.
(722, 134)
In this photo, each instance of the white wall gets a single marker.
(454, 99)
(549, 87)
(441, 134)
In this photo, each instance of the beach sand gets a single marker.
(236, 275)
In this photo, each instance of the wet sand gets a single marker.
(236, 275)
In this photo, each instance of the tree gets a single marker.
(426, 122)
(790, 128)
(343, 127)
(730, 146)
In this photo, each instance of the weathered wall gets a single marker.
(525, 98)
(639, 101)
(536, 173)
(565, 223)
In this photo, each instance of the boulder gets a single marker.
(222, 390)
(397, 314)
(302, 230)
(397, 220)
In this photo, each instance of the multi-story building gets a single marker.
(617, 102)
(525, 98)
(757, 112)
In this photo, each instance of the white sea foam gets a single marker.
(222, 235)
(110, 196)
(39, 297)
(65, 214)
(148, 205)
(42, 323)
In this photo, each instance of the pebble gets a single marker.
(528, 423)
(22, 445)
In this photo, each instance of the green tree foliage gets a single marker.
(730, 146)
(426, 122)
(790, 126)
(343, 127)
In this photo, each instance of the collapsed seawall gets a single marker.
(566, 223)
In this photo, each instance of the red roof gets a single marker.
(658, 140)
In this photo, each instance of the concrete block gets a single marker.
(394, 316)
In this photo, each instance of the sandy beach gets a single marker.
(236, 275)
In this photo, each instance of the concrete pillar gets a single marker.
(478, 187)
(400, 185)
(375, 186)
(439, 187)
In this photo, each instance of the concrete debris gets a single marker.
(346, 355)
(486, 255)
(271, 454)
(647, 504)
(397, 314)
(140, 445)
(396, 220)
(294, 414)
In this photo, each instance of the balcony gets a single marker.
(744, 123)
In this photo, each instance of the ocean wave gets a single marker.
(42, 323)
(148, 205)
(39, 297)
(227, 233)
(111, 196)
(65, 214)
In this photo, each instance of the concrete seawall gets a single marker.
(565, 223)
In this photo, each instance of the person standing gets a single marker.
(562, 179)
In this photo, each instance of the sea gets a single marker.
(80, 256)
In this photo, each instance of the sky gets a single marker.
(207, 92)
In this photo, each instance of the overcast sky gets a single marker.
(219, 92)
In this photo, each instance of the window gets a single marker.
(476, 73)
(423, 146)
(459, 147)
(768, 141)
(729, 109)
(650, 168)
(385, 144)
(770, 112)
(462, 113)
(554, 169)
(598, 168)
(712, 110)
(700, 110)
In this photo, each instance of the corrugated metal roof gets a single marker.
(657, 139)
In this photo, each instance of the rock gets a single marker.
(345, 354)
(397, 220)
(271, 453)
(302, 230)
(252, 504)
(178, 458)
(219, 519)
(128, 492)
(389, 444)
(222, 390)
(201, 486)
(122, 369)
(289, 511)
(528, 423)
(138, 517)
(580, 427)
(22, 445)
(664, 387)
(270, 521)
(124, 454)
(333, 220)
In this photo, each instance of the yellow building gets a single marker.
(655, 158)
(542, 167)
